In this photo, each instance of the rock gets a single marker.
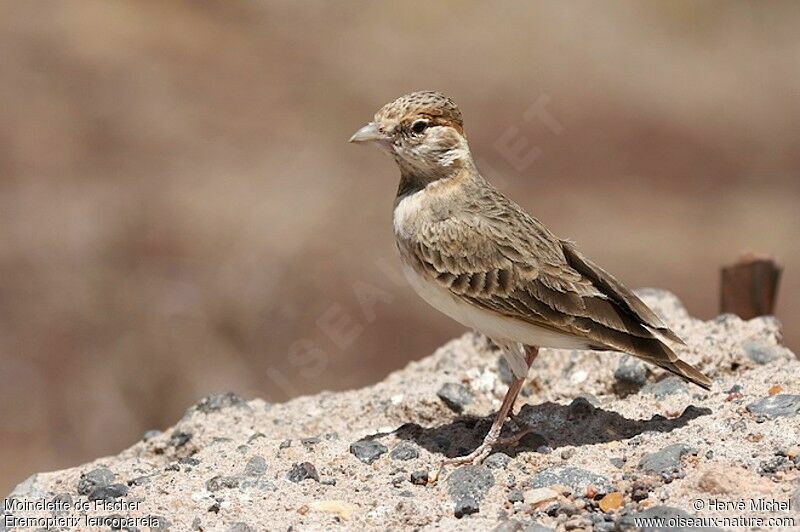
(730, 480)
(179, 438)
(219, 482)
(497, 461)
(467, 486)
(404, 451)
(455, 396)
(303, 471)
(572, 477)
(580, 408)
(104, 493)
(537, 496)
(566, 454)
(516, 496)
(508, 525)
(666, 462)
(240, 526)
(97, 478)
(255, 467)
(217, 402)
(612, 501)
(668, 386)
(631, 372)
(419, 478)
(367, 450)
(762, 352)
(782, 405)
(671, 518)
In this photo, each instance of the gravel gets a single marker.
(231, 464)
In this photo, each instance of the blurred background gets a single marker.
(180, 212)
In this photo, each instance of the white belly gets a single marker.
(491, 324)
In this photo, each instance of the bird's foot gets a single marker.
(484, 449)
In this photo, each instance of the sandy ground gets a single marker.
(612, 441)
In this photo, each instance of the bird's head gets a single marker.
(424, 133)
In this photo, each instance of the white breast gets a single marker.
(491, 324)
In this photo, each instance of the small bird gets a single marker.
(478, 257)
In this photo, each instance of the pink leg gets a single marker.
(493, 437)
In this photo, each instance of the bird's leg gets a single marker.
(492, 438)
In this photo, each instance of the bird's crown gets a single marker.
(440, 108)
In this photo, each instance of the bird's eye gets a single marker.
(419, 126)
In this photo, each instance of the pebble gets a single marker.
(782, 405)
(566, 454)
(97, 478)
(455, 396)
(419, 478)
(663, 388)
(467, 486)
(404, 451)
(255, 467)
(762, 353)
(612, 501)
(302, 471)
(497, 461)
(666, 462)
(367, 450)
(219, 482)
(572, 477)
(537, 496)
(631, 372)
(580, 408)
(516, 496)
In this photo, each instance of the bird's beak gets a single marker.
(369, 133)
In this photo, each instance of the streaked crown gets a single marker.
(438, 107)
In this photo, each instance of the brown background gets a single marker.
(180, 212)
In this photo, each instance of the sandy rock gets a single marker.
(369, 459)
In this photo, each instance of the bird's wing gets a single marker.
(503, 260)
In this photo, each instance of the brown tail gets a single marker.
(687, 372)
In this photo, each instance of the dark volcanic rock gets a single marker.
(776, 406)
(97, 478)
(420, 478)
(112, 491)
(572, 477)
(467, 486)
(367, 450)
(455, 396)
(497, 461)
(666, 462)
(301, 472)
(404, 451)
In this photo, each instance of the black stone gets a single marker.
(580, 408)
(516, 496)
(572, 477)
(255, 467)
(419, 478)
(285, 444)
(97, 478)
(667, 462)
(404, 451)
(467, 486)
(782, 405)
(497, 461)
(367, 450)
(303, 471)
(455, 396)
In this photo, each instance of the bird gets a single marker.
(478, 257)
